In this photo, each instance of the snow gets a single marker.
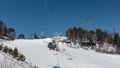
(37, 53)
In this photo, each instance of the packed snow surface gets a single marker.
(37, 52)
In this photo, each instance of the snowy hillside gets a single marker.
(37, 53)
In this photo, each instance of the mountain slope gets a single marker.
(37, 53)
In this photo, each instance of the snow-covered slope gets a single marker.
(37, 53)
(6, 61)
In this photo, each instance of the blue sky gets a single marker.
(29, 16)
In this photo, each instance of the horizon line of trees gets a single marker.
(32, 36)
(99, 35)
(9, 33)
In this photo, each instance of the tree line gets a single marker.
(6, 32)
(99, 35)
(32, 36)
(10, 34)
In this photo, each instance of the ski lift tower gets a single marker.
(42, 33)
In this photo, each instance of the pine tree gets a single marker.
(116, 38)
(1, 29)
(15, 53)
(1, 47)
(35, 36)
(5, 49)
(118, 46)
(21, 36)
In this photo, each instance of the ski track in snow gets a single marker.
(68, 61)
(63, 61)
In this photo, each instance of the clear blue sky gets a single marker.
(29, 16)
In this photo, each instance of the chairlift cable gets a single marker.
(100, 8)
(94, 13)
(47, 13)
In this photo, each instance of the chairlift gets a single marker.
(52, 45)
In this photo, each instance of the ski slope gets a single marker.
(37, 53)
